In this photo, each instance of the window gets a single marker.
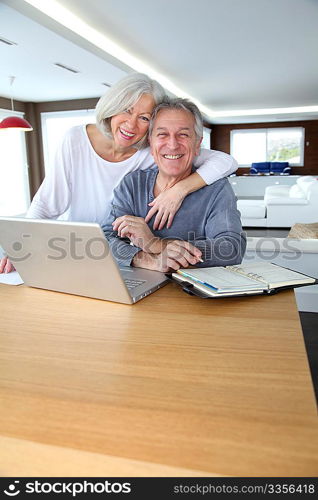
(14, 185)
(206, 141)
(268, 144)
(55, 125)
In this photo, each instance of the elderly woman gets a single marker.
(93, 159)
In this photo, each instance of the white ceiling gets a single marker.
(230, 55)
(32, 60)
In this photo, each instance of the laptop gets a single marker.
(73, 257)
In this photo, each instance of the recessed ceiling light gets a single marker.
(270, 111)
(72, 70)
(7, 42)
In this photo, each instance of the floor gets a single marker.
(258, 232)
(309, 320)
(309, 323)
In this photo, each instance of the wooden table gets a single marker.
(171, 386)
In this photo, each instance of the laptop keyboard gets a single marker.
(131, 284)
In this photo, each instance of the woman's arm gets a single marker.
(211, 166)
(54, 195)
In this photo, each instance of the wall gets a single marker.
(34, 143)
(30, 138)
(220, 136)
(220, 140)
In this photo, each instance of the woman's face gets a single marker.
(132, 125)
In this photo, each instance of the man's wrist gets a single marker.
(143, 259)
(155, 246)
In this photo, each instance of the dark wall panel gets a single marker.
(220, 140)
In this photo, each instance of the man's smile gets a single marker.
(172, 157)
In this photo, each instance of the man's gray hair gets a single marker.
(123, 95)
(183, 104)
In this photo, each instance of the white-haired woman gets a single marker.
(93, 159)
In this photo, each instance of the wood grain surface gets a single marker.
(171, 386)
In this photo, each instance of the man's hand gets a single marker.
(6, 265)
(176, 254)
(136, 229)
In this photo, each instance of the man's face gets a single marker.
(173, 142)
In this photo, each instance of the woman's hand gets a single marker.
(6, 265)
(166, 204)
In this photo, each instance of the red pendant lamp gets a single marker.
(15, 121)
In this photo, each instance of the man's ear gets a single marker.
(197, 147)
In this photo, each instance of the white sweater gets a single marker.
(79, 186)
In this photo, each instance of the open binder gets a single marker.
(257, 278)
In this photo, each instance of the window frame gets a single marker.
(4, 113)
(206, 138)
(57, 114)
(267, 131)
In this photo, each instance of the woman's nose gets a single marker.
(132, 120)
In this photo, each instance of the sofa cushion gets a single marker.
(287, 201)
(296, 192)
(252, 209)
(304, 183)
(312, 193)
(276, 192)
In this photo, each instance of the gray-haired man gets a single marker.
(207, 229)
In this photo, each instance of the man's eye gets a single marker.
(184, 135)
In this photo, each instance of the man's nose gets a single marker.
(172, 142)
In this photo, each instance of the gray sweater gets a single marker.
(207, 218)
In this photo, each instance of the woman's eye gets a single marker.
(145, 118)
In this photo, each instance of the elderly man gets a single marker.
(206, 231)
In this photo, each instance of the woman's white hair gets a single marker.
(123, 95)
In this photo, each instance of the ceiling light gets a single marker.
(60, 65)
(15, 121)
(7, 42)
(266, 111)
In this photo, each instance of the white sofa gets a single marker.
(253, 186)
(283, 205)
